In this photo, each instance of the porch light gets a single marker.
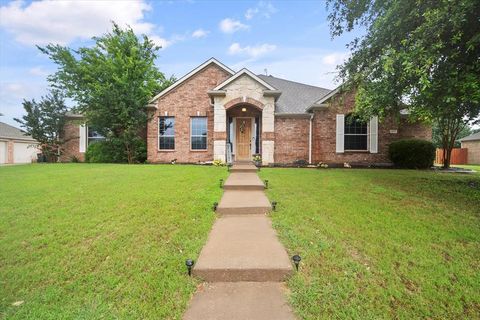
(296, 260)
(274, 205)
(244, 109)
(215, 205)
(221, 183)
(266, 184)
(189, 263)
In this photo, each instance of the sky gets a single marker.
(286, 39)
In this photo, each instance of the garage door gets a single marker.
(3, 152)
(24, 152)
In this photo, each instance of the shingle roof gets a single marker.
(472, 137)
(10, 132)
(296, 97)
(71, 114)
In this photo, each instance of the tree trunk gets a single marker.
(446, 158)
(129, 153)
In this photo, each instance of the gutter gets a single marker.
(310, 140)
(292, 115)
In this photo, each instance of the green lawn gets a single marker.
(475, 167)
(380, 244)
(83, 241)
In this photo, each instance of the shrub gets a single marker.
(412, 153)
(100, 152)
(112, 151)
(218, 163)
(74, 159)
(300, 163)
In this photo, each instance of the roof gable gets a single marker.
(192, 73)
(296, 97)
(472, 137)
(11, 132)
(240, 73)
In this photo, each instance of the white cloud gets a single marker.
(251, 51)
(38, 71)
(251, 12)
(306, 65)
(199, 33)
(159, 41)
(12, 94)
(335, 58)
(230, 26)
(263, 8)
(64, 21)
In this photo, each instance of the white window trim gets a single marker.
(367, 149)
(158, 135)
(93, 138)
(82, 138)
(339, 131)
(191, 135)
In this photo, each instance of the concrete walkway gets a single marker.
(243, 262)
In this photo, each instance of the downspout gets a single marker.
(310, 141)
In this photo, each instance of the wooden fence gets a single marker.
(459, 156)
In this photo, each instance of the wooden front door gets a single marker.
(243, 134)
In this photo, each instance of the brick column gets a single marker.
(268, 133)
(219, 130)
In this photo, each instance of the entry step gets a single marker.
(240, 301)
(243, 167)
(243, 181)
(244, 202)
(243, 248)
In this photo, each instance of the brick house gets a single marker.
(16, 146)
(214, 113)
(472, 144)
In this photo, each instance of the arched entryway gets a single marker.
(244, 122)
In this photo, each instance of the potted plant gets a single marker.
(257, 159)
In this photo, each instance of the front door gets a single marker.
(243, 134)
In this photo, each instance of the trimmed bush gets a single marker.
(100, 152)
(112, 151)
(412, 153)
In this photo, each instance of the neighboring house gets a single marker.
(15, 146)
(215, 113)
(472, 143)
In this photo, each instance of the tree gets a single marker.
(112, 83)
(44, 121)
(437, 135)
(416, 55)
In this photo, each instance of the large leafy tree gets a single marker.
(420, 55)
(44, 121)
(437, 135)
(112, 82)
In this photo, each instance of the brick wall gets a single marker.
(188, 99)
(473, 154)
(71, 135)
(389, 129)
(417, 130)
(291, 136)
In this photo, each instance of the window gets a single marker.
(198, 132)
(166, 133)
(355, 134)
(94, 136)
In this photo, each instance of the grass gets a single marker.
(81, 241)
(84, 241)
(380, 244)
(475, 167)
